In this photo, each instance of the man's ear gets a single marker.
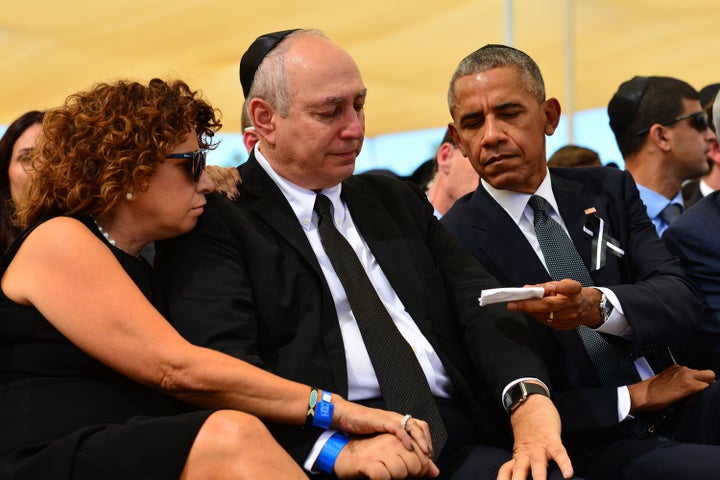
(552, 110)
(444, 158)
(659, 137)
(456, 137)
(714, 152)
(263, 118)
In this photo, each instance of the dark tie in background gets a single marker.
(670, 213)
(610, 355)
(403, 384)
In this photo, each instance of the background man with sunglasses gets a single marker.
(664, 137)
(636, 295)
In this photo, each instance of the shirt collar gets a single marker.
(705, 189)
(302, 200)
(514, 203)
(654, 202)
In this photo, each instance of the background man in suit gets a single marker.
(257, 280)
(500, 119)
(694, 240)
(664, 136)
(694, 190)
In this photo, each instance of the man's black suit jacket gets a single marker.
(246, 281)
(694, 239)
(660, 303)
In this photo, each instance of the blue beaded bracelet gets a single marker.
(330, 452)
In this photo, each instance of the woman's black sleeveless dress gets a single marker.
(63, 415)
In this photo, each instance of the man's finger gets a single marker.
(539, 470)
(521, 469)
(707, 376)
(563, 462)
(505, 471)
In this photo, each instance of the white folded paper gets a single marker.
(497, 295)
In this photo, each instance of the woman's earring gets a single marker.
(129, 195)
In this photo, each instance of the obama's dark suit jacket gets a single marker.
(661, 304)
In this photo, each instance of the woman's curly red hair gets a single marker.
(107, 141)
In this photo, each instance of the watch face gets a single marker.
(515, 396)
(606, 309)
(519, 392)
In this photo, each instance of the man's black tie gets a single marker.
(403, 384)
(670, 213)
(610, 355)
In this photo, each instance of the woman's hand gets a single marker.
(226, 180)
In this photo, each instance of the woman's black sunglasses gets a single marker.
(197, 165)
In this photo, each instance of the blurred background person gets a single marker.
(694, 190)
(664, 136)
(453, 176)
(15, 146)
(250, 137)
(574, 156)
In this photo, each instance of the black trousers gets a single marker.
(694, 452)
(466, 455)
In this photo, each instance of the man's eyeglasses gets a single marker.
(698, 120)
(198, 162)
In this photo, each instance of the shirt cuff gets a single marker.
(616, 324)
(623, 406)
(311, 460)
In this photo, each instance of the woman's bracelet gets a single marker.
(319, 413)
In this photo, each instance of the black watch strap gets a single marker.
(519, 392)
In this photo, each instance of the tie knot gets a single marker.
(671, 212)
(322, 206)
(537, 203)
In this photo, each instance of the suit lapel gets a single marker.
(270, 205)
(507, 253)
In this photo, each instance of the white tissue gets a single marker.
(497, 295)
